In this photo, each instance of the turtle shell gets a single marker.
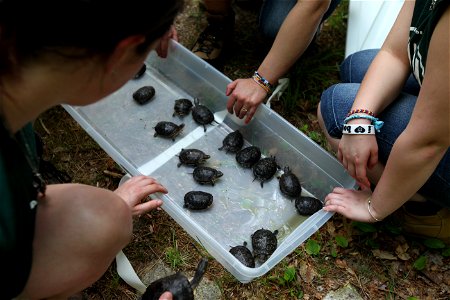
(290, 184)
(182, 107)
(197, 200)
(140, 72)
(206, 175)
(168, 129)
(244, 255)
(307, 206)
(201, 114)
(144, 94)
(233, 142)
(248, 156)
(264, 169)
(192, 157)
(177, 284)
(264, 243)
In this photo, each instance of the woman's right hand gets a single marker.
(357, 153)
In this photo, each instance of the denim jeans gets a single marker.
(273, 13)
(337, 101)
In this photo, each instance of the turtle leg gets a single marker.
(204, 128)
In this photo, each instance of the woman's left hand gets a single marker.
(350, 203)
(245, 95)
(136, 189)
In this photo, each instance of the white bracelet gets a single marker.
(358, 129)
(369, 200)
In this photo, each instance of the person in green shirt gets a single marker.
(58, 239)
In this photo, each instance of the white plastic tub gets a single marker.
(125, 131)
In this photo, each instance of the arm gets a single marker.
(418, 150)
(380, 86)
(295, 35)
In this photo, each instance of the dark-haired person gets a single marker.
(408, 156)
(56, 240)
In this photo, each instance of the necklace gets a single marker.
(38, 181)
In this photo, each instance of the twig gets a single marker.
(43, 126)
(113, 174)
(393, 292)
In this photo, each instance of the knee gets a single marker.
(98, 217)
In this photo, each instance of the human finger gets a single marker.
(250, 115)
(230, 87)
(166, 296)
(373, 159)
(147, 206)
(174, 33)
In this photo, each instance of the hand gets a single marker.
(350, 203)
(166, 296)
(357, 153)
(136, 189)
(244, 93)
(163, 46)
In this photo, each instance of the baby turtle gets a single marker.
(144, 94)
(201, 114)
(264, 169)
(197, 200)
(192, 157)
(289, 184)
(140, 72)
(248, 156)
(168, 129)
(233, 142)
(182, 107)
(264, 243)
(177, 284)
(206, 175)
(307, 206)
(244, 255)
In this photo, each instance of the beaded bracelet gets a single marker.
(263, 82)
(362, 111)
(375, 122)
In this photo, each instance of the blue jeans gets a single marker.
(273, 13)
(337, 101)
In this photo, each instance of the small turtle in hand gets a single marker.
(177, 284)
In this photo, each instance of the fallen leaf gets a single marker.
(341, 263)
(383, 254)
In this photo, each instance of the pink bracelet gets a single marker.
(362, 111)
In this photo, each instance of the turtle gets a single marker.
(248, 156)
(244, 255)
(168, 129)
(182, 107)
(140, 72)
(201, 114)
(197, 200)
(264, 243)
(233, 142)
(177, 284)
(144, 94)
(206, 175)
(264, 169)
(192, 157)
(307, 206)
(290, 184)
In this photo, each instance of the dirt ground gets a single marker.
(378, 260)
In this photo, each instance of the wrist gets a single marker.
(374, 214)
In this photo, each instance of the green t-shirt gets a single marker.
(17, 217)
(426, 15)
